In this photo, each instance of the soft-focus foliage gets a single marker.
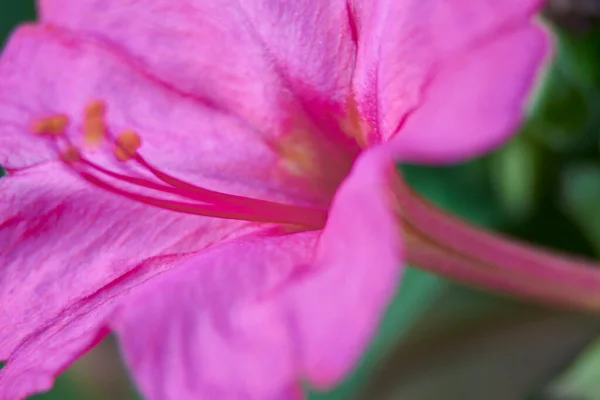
(438, 339)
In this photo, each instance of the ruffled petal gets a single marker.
(337, 306)
(224, 48)
(253, 317)
(68, 254)
(281, 66)
(475, 102)
(210, 329)
(409, 48)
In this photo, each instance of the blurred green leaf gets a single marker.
(13, 13)
(64, 388)
(464, 189)
(579, 54)
(581, 381)
(514, 173)
(581, 199)
(563, 114)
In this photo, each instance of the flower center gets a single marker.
(158, 188)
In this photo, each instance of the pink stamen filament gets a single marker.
(210, 203)
(205, 194)
(130, 179)
(206, 202)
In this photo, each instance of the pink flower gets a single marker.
(252, 238)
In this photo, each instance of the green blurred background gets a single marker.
(440, 341)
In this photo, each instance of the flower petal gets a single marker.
(17, 149)
(404, 45)
(46, 71)
(270, 62)
(250, 318)
(475, 102)
(336, 307)
(210, 330)
(68, 253)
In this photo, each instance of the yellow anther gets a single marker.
(53, 125)
(127, 145)
(94, 131)
(95, 110)
(94, 126)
